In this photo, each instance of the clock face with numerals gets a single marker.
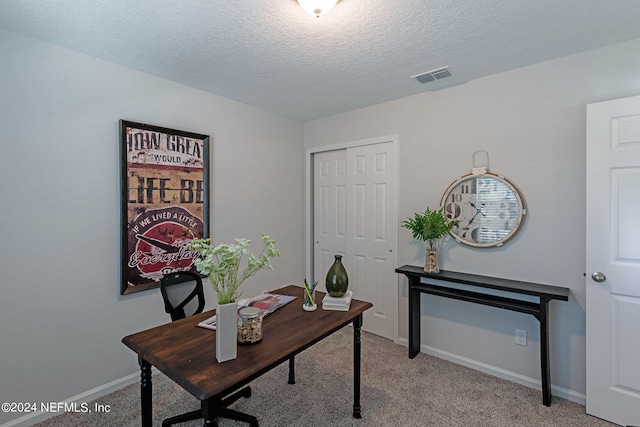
(488, 207)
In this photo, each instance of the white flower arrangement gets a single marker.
(222, 264)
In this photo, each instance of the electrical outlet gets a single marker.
(521, 337)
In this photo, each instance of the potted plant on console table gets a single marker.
(222, 265)
(431, 227)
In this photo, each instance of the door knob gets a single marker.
(598, 277)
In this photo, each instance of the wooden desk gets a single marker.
(539, 310)
(186, 353)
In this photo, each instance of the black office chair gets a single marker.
(183, 296)
(182, 293)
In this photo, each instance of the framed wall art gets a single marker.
(165, 201)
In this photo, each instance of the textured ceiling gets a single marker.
(271, 54)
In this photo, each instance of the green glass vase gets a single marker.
(337, 280)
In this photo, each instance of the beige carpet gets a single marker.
(396, 391)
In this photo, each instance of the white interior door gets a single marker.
(354, 211)
(371, 234)
(613, 261)
(330, 210)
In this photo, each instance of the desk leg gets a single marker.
(357, 326)
(292, 370)
(544, 351)
(145, 392)
(414, 318)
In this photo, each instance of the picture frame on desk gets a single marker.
(165, 193)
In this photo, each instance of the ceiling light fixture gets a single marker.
(317, 7)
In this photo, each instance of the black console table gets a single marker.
(539, 310)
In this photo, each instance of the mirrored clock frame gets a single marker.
(489, 208)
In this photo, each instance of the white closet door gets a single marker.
(330, 211)
(353, 195)
(371, 233)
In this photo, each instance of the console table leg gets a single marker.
(414, 318)
(357, 325)
(544, 351)
(146, 393)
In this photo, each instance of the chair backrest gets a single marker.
(182, 294)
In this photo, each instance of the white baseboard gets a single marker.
(87, 396)
(499, 372)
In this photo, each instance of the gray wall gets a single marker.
(532, 123)
(61, 316)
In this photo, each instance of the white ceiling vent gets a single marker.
(429, 76)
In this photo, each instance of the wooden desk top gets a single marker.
(186, 353)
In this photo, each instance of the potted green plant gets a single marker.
(430, 226)
(222, 264)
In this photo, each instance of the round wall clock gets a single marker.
(490, 210)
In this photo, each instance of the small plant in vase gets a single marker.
(430, 226)
(222, 265)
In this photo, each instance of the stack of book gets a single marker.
(337, 303)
